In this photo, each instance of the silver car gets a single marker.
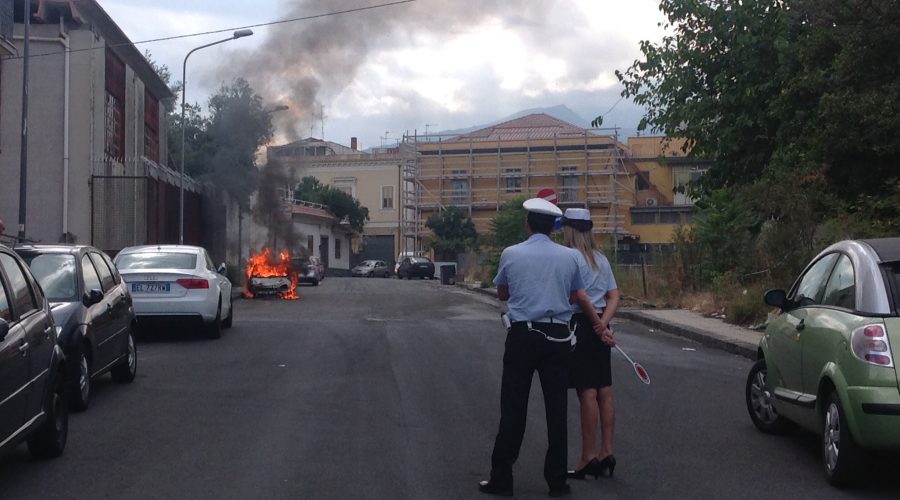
(177, 282)
(371, 268)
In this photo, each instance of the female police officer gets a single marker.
(539, 279)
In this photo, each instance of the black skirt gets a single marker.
(590, 367)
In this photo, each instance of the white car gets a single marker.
(177, 282)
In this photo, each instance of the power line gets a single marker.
(224, 30)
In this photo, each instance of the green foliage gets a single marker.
(453, 232)
(507, 228)
(794, 103)
(340, 204)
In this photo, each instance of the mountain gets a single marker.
(561, 112)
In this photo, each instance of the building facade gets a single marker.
(372, 178)
(96, 133)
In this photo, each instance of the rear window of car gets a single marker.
(157, 260)
(894, 273)
(419, 260)
(56, 275)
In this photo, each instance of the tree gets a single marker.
(453, 232)
(508, 227)
(793, 102)
(238, 127)
(340, 204)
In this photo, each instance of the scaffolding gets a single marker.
(586, 170)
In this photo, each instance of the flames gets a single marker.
(266, 265)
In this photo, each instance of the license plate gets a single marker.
(149, 288)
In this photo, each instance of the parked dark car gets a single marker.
(32, 365)
(309, 269)
(93, 312)
(411, 267)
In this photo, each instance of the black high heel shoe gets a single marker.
(607, 463)
(591, 467)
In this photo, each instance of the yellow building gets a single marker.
(628, 188)
(661, 168)
(372, 178)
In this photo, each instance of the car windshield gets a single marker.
(367, 263)
(157, 260)
(418, 260)
(56, 274)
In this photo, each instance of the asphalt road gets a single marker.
(388, 389)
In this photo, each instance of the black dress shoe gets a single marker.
(492, 488)
(589, 468)
(607, 464)
(560, 491)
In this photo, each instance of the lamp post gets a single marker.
(237, 34)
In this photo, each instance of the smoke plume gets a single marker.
(305, 64)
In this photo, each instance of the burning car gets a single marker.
(268, 275)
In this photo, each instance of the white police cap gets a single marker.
(578, 214)
(541, 206)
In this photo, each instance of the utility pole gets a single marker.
(23, 159)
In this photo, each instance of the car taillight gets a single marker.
(870, 344)
(192, 283)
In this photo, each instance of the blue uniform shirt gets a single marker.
(540, 275)
(596, 282)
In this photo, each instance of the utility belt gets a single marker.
(551, 329)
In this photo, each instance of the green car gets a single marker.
(826, 363)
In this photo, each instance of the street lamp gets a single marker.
(237, 34)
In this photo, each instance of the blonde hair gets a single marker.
(583, 241)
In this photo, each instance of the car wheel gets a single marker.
(840, 455)
(214, 329)
(371, 274)
(124, 372)
(759, 401)
(49, 440)
(230, 319)
(80, 396)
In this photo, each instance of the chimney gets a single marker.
(353, 143)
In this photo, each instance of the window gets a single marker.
(20, 291)
(157, 261)
(841, 288)
(56, 274)
(91, 278)
(569, 181)
(681, 177)
(643, 218)
(112, 267)
(642, 181)
(337, 248)
(309, 243)
(459, 187)
(513, 180)
(669, 218)
(5, 310)
(106, 277)
(812, 283)
(387, 197)
(151, 126)
(115, 107)
(346, 184)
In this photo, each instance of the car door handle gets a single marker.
(800, 326)
(47, 332)
(24, 348)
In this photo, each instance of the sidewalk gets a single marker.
(707, 331)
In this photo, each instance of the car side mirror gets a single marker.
(93, 297)
(4, 329)
(221, 269)
(776, 298)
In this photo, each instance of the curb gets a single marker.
(687, 332)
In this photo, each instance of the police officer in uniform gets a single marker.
(540, 280)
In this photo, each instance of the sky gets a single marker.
(413, 67)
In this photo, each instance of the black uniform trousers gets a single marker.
(527, 352)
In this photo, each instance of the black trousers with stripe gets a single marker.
(527, 352)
